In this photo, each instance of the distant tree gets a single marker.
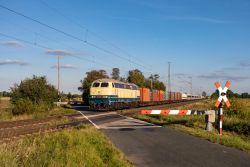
(204, 94)
(245, 95)
(136, 77)
(147, 83)
(230, 94)
(159, 85)
(123, 79)
(5, 94)
(69, 96)
(76, 96)
(155, 77)
(156, 84)
(35, 89)
(87, 81)
(115, 73)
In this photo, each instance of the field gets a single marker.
(236, 124)
(6, 112)
(4, 102)
(81, 146)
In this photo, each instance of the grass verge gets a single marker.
(7, 115)
(81, 146)
(227, 139)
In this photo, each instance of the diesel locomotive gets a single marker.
(113, 94)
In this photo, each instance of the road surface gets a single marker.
(147, 145)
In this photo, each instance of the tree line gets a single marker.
(231, 94)
(134, 76)
(5, 94)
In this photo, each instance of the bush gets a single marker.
(23, 106)
(33, 95)
(36, 89)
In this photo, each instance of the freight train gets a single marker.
(108, 94)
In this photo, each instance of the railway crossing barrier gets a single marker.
(209, 114)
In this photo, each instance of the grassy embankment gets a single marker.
(236, 123)
(81, 146)
(7, 115)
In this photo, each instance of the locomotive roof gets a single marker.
(114, 81)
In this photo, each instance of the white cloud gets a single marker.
(245, 64)
(197, 18)
(15, 44)
(13, 62)
(66, 66)
(215, 76)
(59, 52)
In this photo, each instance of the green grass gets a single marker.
(227, 139)
(7, 115)
(82, 146)
(236, 123)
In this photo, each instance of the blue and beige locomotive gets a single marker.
(113, 94)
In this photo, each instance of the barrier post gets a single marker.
(219, 103)
(220, 118)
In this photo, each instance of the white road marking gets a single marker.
(96, 115)
(132, 127)
(139, 120)
(96, 126)
(128, 122)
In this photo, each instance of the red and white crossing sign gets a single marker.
(222, 94)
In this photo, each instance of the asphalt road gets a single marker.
(146, 145)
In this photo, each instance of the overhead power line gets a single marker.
(67, 34)
(41, 35)
(48, 48)
(86, 28)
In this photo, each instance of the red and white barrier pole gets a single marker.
(173, 112)
(220, 120)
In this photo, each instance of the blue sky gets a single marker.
(206, 40)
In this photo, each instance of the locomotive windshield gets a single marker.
(96, 84)
(104, 84)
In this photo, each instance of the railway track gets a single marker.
(17, 129)
(133, 111)
(13, 124)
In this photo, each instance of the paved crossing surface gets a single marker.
(147, 145)
(113, 120)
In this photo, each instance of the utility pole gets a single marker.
(191, 85)
(58, 77)
(169, 80)
(151, 82)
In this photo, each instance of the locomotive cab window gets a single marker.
(104, 84)
(127, 87)
(116, 85)
(134, 88)
(96, 84)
